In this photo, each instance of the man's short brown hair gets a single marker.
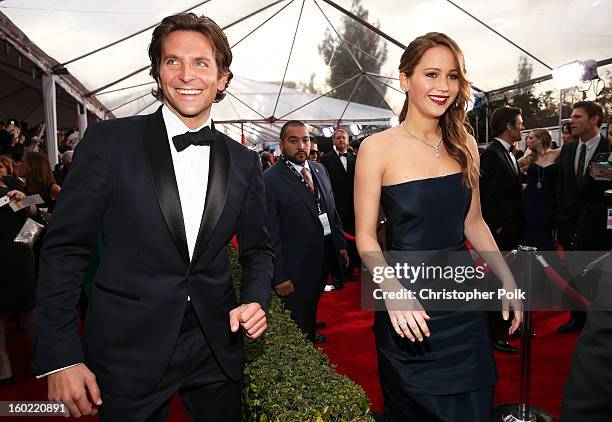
(592, 109)
(503, 116)
(202, 25)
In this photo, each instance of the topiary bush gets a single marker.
(286, 379)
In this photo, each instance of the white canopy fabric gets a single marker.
(493, 35)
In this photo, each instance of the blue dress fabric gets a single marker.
(451, 375)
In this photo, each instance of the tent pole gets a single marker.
(50, 104)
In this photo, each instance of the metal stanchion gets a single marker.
(523, 411)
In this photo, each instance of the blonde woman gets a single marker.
(433, 365)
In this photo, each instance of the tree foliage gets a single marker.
(542, 110)
(369, 50)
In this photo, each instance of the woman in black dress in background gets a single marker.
(539, 196)
(17, 282)
(434, 366)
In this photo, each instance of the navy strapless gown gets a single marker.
(450, 376)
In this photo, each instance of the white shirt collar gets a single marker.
(175, 126)
(591, 143)
(504, 143)
(299, 168)
(338, 152)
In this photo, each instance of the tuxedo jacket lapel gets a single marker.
(569, 163)
(506, 157)
(164, 181)
(216, 193)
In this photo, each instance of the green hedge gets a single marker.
(286, 379)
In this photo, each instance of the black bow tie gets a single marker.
(512, 148)
(204, 136)
(343, 154)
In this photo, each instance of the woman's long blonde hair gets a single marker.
(545, 137)
(453, 123)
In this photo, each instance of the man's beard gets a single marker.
(293, 159)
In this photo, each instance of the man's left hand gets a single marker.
(345, 257)
(251, 317)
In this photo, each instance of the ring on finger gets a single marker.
(402, 322)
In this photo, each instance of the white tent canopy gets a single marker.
(278, 41)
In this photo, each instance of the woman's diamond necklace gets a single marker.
(436, 147)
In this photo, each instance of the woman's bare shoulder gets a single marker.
(378, 142)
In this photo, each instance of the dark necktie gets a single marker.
(204, 136)
(581, 162)
(343, 154)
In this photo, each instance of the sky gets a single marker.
(556, 32)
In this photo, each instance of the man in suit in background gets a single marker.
(500, 197)
(305, 230)
(589, 386)
(340, 165)
(167, 192)
(581, 209)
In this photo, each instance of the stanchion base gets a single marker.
(510, 413)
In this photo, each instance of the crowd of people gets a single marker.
(169, 205)
(24, 171)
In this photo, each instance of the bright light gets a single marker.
(394, 121)
(355, 129)
(574, 73)
(328, 132)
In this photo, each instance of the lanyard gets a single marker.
(317, 194)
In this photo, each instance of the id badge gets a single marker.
(325, 224)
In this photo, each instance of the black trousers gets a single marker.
(194, 373)
(304, 310)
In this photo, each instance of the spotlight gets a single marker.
(575, 73)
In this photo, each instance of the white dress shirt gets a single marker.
(591, 146)
(512, 157)
(343, 160)
(299, 168)
(191, 170)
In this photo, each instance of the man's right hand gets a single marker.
(284, 289)
(71, 387)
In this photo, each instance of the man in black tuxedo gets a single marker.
(581, 209)
(305, 230)
(340, 165)
(167, 191)
(500, 197)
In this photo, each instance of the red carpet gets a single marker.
(350, 346)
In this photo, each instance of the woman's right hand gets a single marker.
(411, 324)
(16, 195)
